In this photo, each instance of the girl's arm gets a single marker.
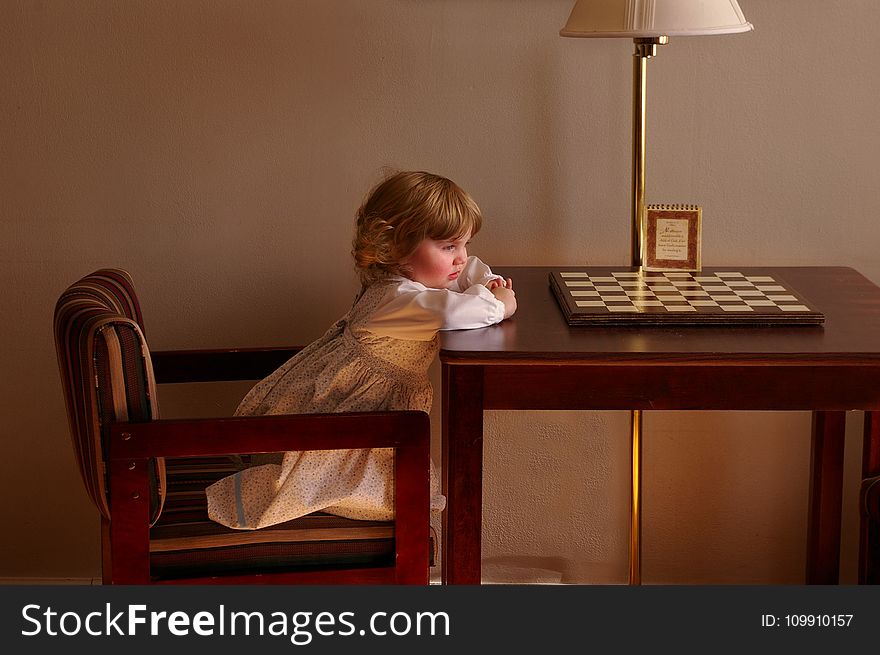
(476, 274)
(415, 312)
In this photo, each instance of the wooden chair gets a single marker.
(869, 549)
(147, 476)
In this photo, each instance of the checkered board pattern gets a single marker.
(596, 296)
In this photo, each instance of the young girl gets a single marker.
(410, 251)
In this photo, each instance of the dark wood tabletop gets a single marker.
(682, 367)
(850, 302)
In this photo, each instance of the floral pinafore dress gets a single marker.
(348, 369)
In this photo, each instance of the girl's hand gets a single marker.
(507, 296)
(496, 283)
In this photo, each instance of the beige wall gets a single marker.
(218, 149)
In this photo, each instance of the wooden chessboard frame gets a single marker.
(632, 296)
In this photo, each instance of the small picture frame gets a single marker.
(671, 238)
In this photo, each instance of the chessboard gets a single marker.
(607, 295)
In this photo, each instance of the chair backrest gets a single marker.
(106, 373)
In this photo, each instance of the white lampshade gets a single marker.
(651, 18)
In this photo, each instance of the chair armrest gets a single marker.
(132, 444)
(269, 434)
(223, 365)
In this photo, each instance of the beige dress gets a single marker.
(374, 358)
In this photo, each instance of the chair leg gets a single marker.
(130, 524)
(411, 509)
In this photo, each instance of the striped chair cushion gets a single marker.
(185, 543)
(106, 374)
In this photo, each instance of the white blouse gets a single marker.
(409, 310)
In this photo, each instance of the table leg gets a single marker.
(826, 498)
(871, 452)
(462, 472)
(869, 539)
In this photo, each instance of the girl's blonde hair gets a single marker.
(400, 212)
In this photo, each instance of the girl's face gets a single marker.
(437, 264)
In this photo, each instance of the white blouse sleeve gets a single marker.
(415, 312)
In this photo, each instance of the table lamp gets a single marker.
(648, 23)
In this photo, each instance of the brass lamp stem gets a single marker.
(645, 48)
(635, 528)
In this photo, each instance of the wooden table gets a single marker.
(537, 361)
